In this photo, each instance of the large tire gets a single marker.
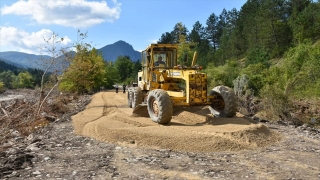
(136, 97)
(230, 106)
(159, 106)
(129, 97)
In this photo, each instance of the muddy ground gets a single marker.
(105, 142)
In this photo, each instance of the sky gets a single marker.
(26, 24)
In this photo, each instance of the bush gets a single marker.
(301, 66)
(222, 75)
(247, 102)
(275, 102)
(296, 78)
(258, 55)
(1, 87)
(256, 76)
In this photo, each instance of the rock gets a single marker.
(33, 147)
(36, 173)
(263, 120)
(16, 133)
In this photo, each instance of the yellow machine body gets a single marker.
(186, 85)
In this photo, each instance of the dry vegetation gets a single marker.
(19, 116)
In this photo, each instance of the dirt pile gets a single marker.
(107, 118)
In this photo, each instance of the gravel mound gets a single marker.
(192, 129)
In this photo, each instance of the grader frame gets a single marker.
(160, 88)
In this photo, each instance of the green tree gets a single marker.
(1, 87)
(221, 24)
(274, 33)
(166, 38)
(7, 78)
(305, 21)
(185, 53)
(124, 66)
(197, 34)
(212, 31)
(227, 41)
(23, 80)
(112, 75)
(202, 45)
(86, 72)
(251, 23)
(179, 30)
(37, 76)
(136, 67)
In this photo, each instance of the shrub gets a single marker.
(222, 75)
(1, 87)
(256, 74)
(275, 102)
(258, 55)
(247, 102)
(301, 67)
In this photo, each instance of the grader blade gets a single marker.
(140, 110)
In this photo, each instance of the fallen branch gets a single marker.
(45, 98)
(5, 112)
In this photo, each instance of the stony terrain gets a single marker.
(109, 144)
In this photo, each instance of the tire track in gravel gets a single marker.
(188, 131)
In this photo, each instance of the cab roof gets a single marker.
(151, 46)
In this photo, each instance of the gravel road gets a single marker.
(105, 142)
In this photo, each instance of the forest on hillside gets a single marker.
(268, 52)
(265, 27)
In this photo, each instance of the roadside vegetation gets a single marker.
(268, 52)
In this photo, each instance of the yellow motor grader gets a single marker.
(162, 86)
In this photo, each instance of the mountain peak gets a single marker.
(109, 53)
(120, 48)
(121, 42)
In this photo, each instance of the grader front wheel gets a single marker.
(136, 97)
(228, 106)
(159, 106)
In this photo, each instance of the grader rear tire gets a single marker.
(136, 97)
(159, 106)
(230, 107)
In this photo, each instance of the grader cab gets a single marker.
(164, 84)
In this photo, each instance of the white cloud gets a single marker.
(70, 13)
(154, 41)
(19, 40)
